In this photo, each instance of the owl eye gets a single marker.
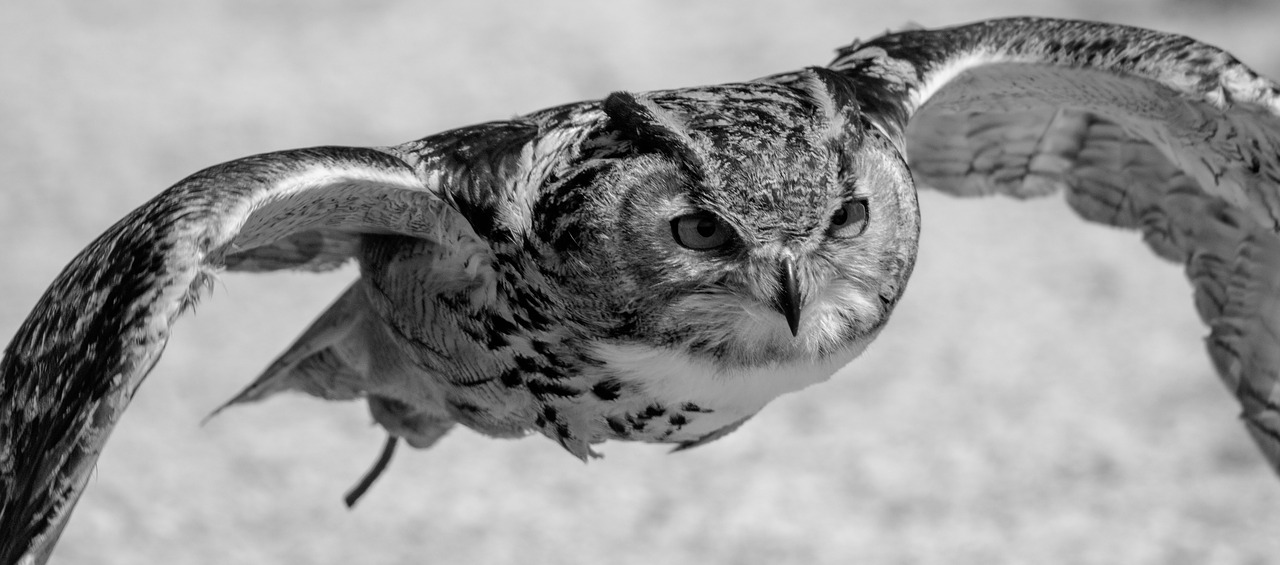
(851, 217)
(700, 231)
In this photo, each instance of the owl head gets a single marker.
(748, 223)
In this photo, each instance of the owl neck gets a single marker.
(675, 376)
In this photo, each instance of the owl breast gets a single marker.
(705, 397)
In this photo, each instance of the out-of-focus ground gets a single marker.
(1042, 395)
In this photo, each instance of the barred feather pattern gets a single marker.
(75, 363)
(1140, 129)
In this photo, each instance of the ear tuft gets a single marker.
(652, 129)
(830, 90)
(834, 95)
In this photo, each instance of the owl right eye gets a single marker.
(700, 231)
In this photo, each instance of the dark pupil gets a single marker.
(841, 216)
(706, 227)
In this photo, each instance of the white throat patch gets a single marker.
(672, 378)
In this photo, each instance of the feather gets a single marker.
(1140, 129)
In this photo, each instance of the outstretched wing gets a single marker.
(1140, 129)
(78, 358)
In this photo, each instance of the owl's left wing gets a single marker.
(1140, 129)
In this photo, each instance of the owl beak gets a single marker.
(788, 301)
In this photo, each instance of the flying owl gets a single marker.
(658, 266)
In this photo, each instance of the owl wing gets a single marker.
(77, 360)
(1140, 129)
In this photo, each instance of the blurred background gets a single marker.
(1042, 395)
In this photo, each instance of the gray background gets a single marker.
(1042, 395)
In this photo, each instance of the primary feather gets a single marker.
(1141, 129)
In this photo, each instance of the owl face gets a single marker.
(749, 224)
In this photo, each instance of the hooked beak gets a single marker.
(788, 300)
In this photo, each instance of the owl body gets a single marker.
(579, 316)
(657, 267)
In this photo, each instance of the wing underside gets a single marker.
(1138, 129)
(76, 361)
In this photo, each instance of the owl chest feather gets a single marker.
(705, 397)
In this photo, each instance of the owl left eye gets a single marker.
(851, 217)
(700, 231)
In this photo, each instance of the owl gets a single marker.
(659, 266)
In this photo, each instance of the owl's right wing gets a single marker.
(77, 360)
(1140, 129)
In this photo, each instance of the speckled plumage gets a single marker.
(525, 276)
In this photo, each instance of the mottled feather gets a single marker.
(1139, 128)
